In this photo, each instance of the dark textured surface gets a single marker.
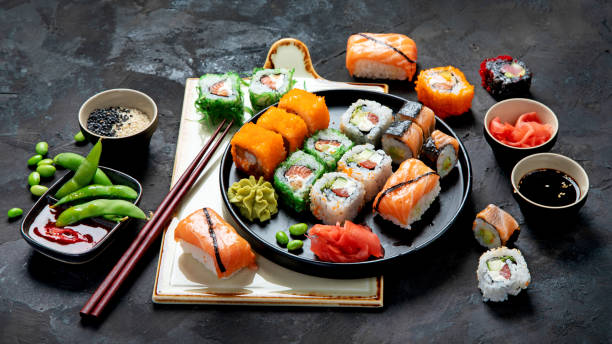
(54, 55)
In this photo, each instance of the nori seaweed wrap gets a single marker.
(505, 76)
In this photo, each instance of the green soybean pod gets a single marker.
(79, 137)
(38, 190)
(99, 207)
(72, 161)
(100, 191)
(34, 178)
(84, 174)
(14, 212)
(45, 170)
(42, 148)
(45, 162)
(295, 245)
(34, 160)
(282, 238)
(298, 229)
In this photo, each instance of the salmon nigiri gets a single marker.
(408, 193)
(381, 56)
(351, 243)
(493, 227)
(214, 243)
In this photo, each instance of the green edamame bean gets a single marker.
(99, 207)
(38, 190)
(72, 161)
(79, 137)
(34, 178)
(295, 245)
(282, 238)
(34, 160)
(298, 229)
(46, 170)
(45, 162)
(42, 148)
(84, 174)
(100, 191)
(14, 212)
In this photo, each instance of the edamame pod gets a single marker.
(72, 161)
(115, 218)
(99, 207)
(101, 191)
(42, 148)
(84, 174)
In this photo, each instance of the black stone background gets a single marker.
(55, 54)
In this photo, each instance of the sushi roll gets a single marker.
(291, 127)
(408, 193)
(309, 106)
(294, 178)
(369, 166)
(365, 121)
(445, 90)
(493, 227)
(214, 243)
(257, 151)
(505, 76)
(441, 150)
(502, 272)
(336, 197)
(416, 112)
(402, 140)
(381, 56)
(268, 86)
(328, 146)
(220, 97)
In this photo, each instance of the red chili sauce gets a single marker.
(76, 238)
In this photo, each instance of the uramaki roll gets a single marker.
(445, 90)
(257, 151)
(309, 106)
(291, 127)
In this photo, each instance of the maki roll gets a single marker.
(440, 151)
(445, 90)
(502, 272)
(336, 197)
(416, 112)
(402, 140)
(257, 151)
(291, 127)
(408, 193)
(365, 121)
(293, 179)
(220, 97)
(369, 166)
(493, 227)
(268, 86)
(328, 146)
(505, 76)
(309, 106)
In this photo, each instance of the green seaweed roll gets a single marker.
(268, 86)
(220, 97)
(294, 178)
(328, 146)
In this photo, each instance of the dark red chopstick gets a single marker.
(147, 235)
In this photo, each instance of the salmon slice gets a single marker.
(504, 223)
(351, 243)
(216, 241)
(441, 140)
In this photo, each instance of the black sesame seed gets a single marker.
(104, 122)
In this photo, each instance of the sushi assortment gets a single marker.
(505, 76)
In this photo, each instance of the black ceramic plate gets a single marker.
(396, 241)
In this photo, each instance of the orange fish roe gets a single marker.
(445, 90)
(309, 106)
(257, 151)
(291, 127)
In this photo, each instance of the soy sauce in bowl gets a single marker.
(549, 187)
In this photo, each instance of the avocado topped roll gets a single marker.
(328, 146)
(369, 166)
(268, 86)
(365, 121)
(294, 178)
(336, 197)
(220, 97)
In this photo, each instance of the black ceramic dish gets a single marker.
(117, 178)
(396, 242)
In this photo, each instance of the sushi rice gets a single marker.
(502, 272)
(369, 166)
(365, 121)
(336, 197)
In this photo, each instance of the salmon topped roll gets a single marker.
(441, 151)
(408, 193)
(420, 114)
(493, 227)
(214, 243)
(381, 56)
(445, 90)
(307, 105)
(402, 140)
(291, 127)
(257, 151)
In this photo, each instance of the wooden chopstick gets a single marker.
(151, 230)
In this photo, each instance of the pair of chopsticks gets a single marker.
(151, 230)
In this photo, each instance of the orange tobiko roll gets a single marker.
(257, 151)
(445, 90)
(291, 127)
(309, 106)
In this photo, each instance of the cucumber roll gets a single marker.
(328, 146)
(336, 197)
(502, 272)
(369, 166)
(268, 86)
(220, 97)
(365, 121)
(294, 178)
